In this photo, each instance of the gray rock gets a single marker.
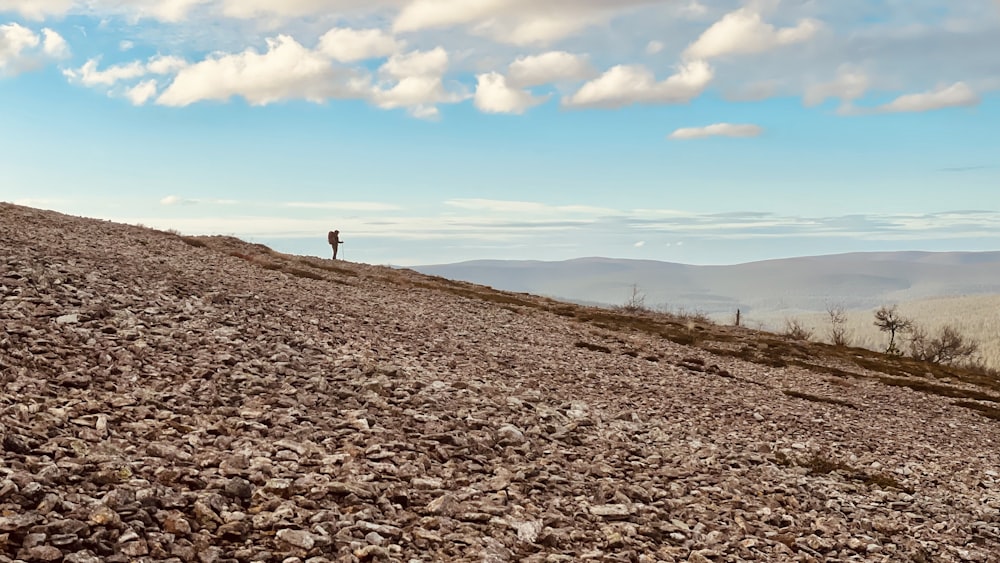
(297, 538)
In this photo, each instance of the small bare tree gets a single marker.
(636, 301)
(888, 319)
(838, 325)
(949, 346)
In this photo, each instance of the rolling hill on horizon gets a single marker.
(791, 285)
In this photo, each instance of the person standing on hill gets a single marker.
(333, 237)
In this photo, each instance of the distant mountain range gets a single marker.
(793, 285)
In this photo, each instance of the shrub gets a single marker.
(949, 346)
(795, 330)
(636, 302)
(838, 325)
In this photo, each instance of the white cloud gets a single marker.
(125, 45)
(654, 47)
(173, 10)
(36, 9)
(142, 92)
(424, 14)
(165, 65)
(493, 95)
(22, 49)
(744, 32)
(14, 40)
(285, 9)
(287, 70)
(518, 22)
(54, 45)
(349, 45)
(541, 29)
(90, 75)
(717, 130)
(640, 244)
(554, 66)
(628, 84)
(417, 63)
(419, 85)
(956, 95)
(850, 84)
(171, 200)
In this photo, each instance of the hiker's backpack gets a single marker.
(331, 238)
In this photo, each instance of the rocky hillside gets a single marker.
(165, 398)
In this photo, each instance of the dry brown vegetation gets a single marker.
(977, 318)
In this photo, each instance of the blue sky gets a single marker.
(432, 131)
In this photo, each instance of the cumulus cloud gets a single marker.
(553, 66)
(287, 70)
(36, 9)
(166, 10)
(494, 95)
(956, 95)
(90, 75)
(717, 130)
(417, 63)
(850, 84)
(518, 22)
(623, 85)
(744, 32)
(22, 49)
(54, 45)
(349, 45)
(142, 92)
(538, 30)
(415, 81)
(270, 9)
(424, 14)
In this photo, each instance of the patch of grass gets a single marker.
(494, 296)
(593, 347)
(818, 399)
(682, 338)
(300, 273)
(886, 365)
(985, 410)
(328, 267)
(940, 390)
(829, 370)
(195, 242)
